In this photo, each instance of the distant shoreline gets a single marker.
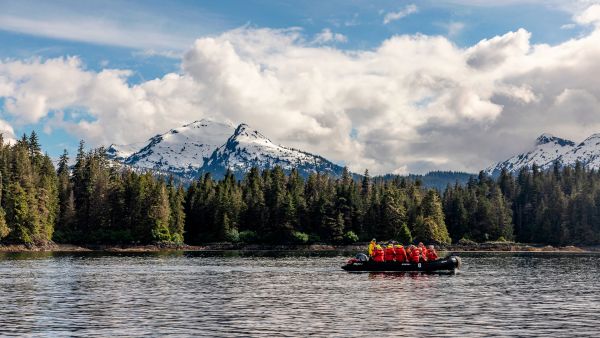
(479, 247)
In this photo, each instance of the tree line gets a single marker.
(560, 206)
(96, 201)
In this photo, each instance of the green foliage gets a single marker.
(248, 237)
(430, 227)
(19, 216)
(299, 237)
(4, 229)
(232, 235)
(350, 237)
(466, 241)
(97, 202)
(403, 235)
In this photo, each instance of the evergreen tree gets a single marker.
(177, 213)
(19, 216)
(4, 229)
(432, 227)
(159, 212)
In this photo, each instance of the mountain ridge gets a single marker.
(548, 150)
(207, 145)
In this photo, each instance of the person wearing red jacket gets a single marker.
(415, 255)
(378, 254)
(431, 254)
(390, 253)
(423, 251)
(400, 253)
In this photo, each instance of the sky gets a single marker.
(390, 86)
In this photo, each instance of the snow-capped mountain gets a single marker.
(550, 149)
(586, 152)
(210, 146)
(180, 151)
(248, 148)
(120, 152)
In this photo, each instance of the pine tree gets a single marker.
(4, 229)
(177, 215)
(19, 216)
(393, 216)
(159, 213)
(432, 228)
(254, 216)
(66, 218)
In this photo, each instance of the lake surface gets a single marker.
(294, 294)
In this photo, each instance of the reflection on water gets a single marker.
(294, 294)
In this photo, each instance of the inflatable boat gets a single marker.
(363, 264)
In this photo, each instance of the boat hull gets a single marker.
(449, 263)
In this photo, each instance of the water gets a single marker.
(232, 294)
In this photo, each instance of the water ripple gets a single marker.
(233, 295)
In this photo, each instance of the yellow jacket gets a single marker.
(371, 248)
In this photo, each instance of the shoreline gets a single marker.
(458, 248)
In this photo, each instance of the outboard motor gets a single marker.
(455, 260)
(362, 257)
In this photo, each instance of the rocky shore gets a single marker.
(470, 247)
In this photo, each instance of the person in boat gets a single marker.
(415, 254)
(400, 253)
(431, 254)
(422, 254)
(423, 250)
(378, 254)
(372, 247)
(390, 253)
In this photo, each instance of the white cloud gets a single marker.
(414, 103)
(326, 35)
(590, 16)
(406, 11)
(7, 132)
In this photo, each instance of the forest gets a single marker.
(97, 201)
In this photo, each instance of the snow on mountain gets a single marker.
(120, 152)
(180, 151)
(550, 149)
(248, 148)
(547, 150)
(210, 146)
(587, 152)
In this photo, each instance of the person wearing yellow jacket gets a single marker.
(372, 247)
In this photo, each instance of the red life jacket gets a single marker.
(378, 255)
(390, 254)
(415, 255)
(400, 255)
(431, 255)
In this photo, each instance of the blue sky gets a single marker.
(149, 38)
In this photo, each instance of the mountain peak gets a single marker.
(205, 122)
(546, 138)
(550, 149)
(244, 130)
(212, 146)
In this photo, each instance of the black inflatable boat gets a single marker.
(449, 263)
